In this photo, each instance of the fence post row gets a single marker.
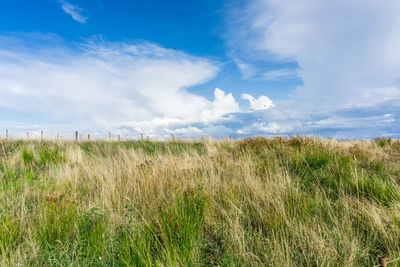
(382, 261)
(78, 137)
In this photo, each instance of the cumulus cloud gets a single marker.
(214, 112)
(221, 105)
(260, 103)
(74, 11)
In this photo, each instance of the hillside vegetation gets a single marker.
(271, 202)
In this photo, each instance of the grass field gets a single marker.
(272, 202)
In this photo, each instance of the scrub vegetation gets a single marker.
(273, 202)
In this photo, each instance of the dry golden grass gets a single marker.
(273, 202)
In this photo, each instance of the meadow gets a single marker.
(254, 202)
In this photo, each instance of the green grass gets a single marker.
(169, 237)
(253, 202)
(10, 235)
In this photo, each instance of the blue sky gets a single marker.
(207, 67)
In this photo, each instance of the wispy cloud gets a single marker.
(247, 70)
(74, 11)
(280, 74)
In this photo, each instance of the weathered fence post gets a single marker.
(27, 135)
(172, 137)
(109, 136)
(119, 138)
(41, 135)
(76, 136)
(88, 136)
(6, 134)
(382, 261)
(141, 137)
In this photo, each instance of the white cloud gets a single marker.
(247, 70)
(74, 11)
(259, 103)
(374, 96)
(102, 84)
(342, 47)
(252, 70)
(335, 122)
(216, 111)
(266, 128)
(222, 104)
(280, 74)
(99, 86)
(345, 53)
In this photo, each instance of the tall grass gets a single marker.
(272, 202)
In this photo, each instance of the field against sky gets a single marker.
(197, 82)
(215, 68)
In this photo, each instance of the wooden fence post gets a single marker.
(27, 135)
(172, 137)
(6, 134)
(88, 136)
(382, 261)
(109, 136)
(119, 138)
(76, 136)
(41, 135)
(141, 137)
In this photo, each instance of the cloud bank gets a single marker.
(99, 86)
(345, 53)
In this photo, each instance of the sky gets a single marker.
(219, 68)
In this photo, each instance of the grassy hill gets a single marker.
(276, 202)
